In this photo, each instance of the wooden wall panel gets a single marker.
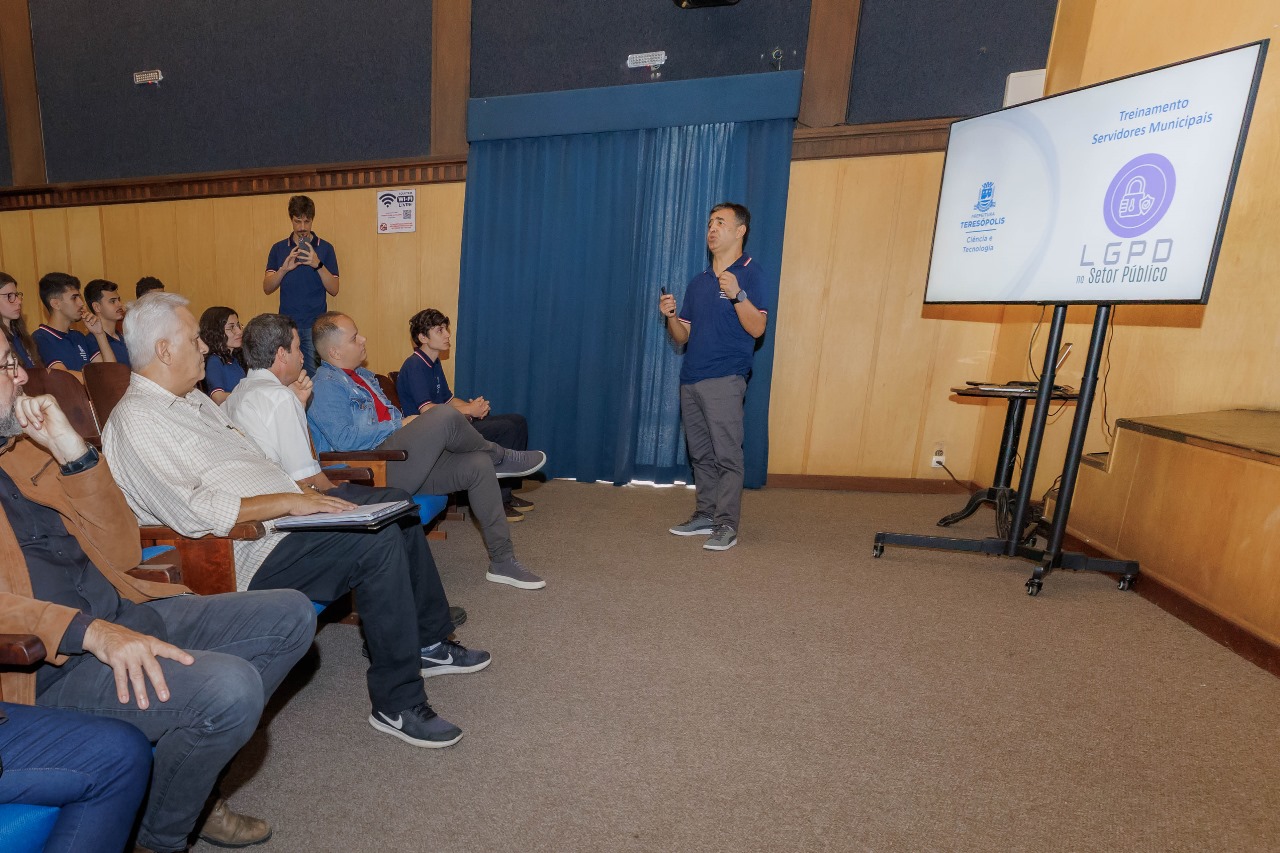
(53, 252)
(1202, 522)
(18, 259)
(862, 368)
(84, 244)
(1168, 359)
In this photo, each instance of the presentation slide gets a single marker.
(1114, 193)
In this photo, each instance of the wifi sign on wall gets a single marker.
(397, 211)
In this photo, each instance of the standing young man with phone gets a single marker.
(304, 269)
(720, 325)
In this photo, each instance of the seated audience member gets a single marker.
(92, 769)
(103, 299)
(146, 285)
(182, 463)
(190, 672)
(224, 366)
(14, 326)
(270, 406)
(61, 346)
(421, 384)
(445, 454)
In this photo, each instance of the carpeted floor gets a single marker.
(792, 694)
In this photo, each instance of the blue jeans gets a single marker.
(96, 770)
(308, 347)
(244, 644)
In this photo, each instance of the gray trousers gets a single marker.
(711, 411)
(447, 455)
(244, 644)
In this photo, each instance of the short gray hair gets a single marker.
(151, 319)
(264, 335)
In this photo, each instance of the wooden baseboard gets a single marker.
(1249, 646)
(900, 485)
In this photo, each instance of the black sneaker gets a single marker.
(513, 516)
(418, 726)
(453, 657)
(519, 504)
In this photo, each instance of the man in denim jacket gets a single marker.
(349, 412)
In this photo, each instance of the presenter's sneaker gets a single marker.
(225, 828)
(722, 538)
(452, 657)
(510, 572)
(520, 504)
(513, 515)
(697, 525)
(418, 726)
(519, 463)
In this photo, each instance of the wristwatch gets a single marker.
(742, 294)
(84, 463)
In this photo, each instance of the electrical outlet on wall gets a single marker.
(939, 458)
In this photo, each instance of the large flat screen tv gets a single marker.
(1114, 193)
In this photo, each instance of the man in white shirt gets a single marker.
(269, 405)
(183, 464)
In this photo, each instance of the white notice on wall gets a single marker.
(397, 211)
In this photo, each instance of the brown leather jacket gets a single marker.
(95, 512)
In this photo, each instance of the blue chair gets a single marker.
(24, 828)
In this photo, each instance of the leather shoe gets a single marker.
(225, 828)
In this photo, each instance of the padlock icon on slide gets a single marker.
(1136, 201)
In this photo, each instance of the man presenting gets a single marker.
(304, 269)
(183, 464)
(720, 325)
(191, 672)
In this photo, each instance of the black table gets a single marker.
(1016, 396)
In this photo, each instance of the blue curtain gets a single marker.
(566, 243)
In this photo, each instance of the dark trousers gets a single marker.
(398, 592)
(447, 455)
(95, 770)
(711, 411)
(244, 644)
(509, 431)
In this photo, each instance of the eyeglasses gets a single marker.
(12, 296)
(11, 364)
(231, 327)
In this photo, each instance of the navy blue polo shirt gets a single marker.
(117, 346)
(20, 350)
(220, 375)
(718, 345)
(302, 294)
(72, 349)
(421, 380)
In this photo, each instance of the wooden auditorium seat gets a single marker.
(71, 397)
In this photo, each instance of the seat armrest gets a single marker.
(21, 649)
(364, 456)
(157, 572)
(361, 476)
(245, 530)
